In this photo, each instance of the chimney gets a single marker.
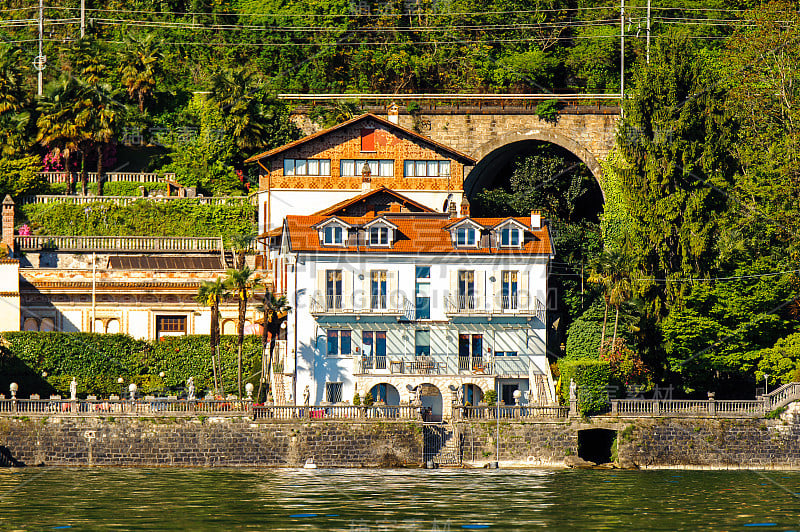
(393, 114)
(464, 206)
(395, 207)
(451, 209)
(8, 223)
(366, 178)
(536, 220)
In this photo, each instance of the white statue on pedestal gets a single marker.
(190, 387)
(573, 390)
(306, 396)
(73, 389)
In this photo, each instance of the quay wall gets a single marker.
(80, 441)
(639, 442)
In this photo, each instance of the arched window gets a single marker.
(47, 325)
(31, 324)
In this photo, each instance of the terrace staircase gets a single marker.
(441, 444)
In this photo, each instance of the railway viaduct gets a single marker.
(493, 129)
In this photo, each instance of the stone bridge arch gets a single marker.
(496, 152)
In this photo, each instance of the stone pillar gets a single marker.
(712, 404)
(8, 223)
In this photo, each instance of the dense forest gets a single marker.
(686, 275)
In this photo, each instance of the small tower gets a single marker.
(464, 206)
(8, 223)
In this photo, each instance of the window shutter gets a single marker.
(367, 139)
(320, 293)
(497, 290)
(347, 290)
(453, 295)
(480, 290)
(391, 289)
(524, 290)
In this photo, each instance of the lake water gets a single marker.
(387, 500)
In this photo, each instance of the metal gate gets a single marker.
(441, 444)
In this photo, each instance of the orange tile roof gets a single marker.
(417, 234)
(413, 134)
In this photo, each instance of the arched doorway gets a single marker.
(386, 394)
(431, 398)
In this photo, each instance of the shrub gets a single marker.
(368, 399)
(356, 400)
(592, 378)
(98, 360)
(184, 217)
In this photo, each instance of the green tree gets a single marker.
(241, 282)
(141, 67)
(211, 294)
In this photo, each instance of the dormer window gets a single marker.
(509, 237)
(378, 236)
(333, 235)
(466, 236)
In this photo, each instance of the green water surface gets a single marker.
(368, 500)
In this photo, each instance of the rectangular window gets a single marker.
(367, 140)
(377, 168)
(509, 287)
(374, 349)
(333, 289)
(379, 236)
(312, 167)
(423, 293)
(505, 353)
(378, 282)
(509, 237)
(333, 235)
(170, 326)
(339, 342)
(466, 289)
(422, 342)
(470, 351)
(426, 168)
(465, 236)
(333, 392)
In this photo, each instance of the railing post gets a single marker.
(712, 404)
(656, 407)
(615, 407)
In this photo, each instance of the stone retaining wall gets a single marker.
(209, 442)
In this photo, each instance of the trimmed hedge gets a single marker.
(98, 360)
(180, 217)
(592, 377)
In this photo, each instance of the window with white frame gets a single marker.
(378, 290)
(510, 236)
(312, 167)
(333, 235)
(426, 168)
(466, 236)
(510, 292)
(377, 167)
(379, 236)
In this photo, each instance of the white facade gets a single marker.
(506, 346)
(277, 204)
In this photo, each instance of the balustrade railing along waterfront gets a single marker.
(686, 407)
(117, 243)
(337, 412)
(511, 412)
(139, 407)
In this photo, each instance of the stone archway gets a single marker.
(431, 397)
(491, 154)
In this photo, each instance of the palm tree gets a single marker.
(58, 125)
(241, 242)
(211, 294)
(241, 281)
(275, 310)
(141, 66)
(611, 271)
(102, 123)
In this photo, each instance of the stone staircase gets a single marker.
(441, 444)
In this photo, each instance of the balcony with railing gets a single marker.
(474, 304)
(336, 304)
(118, 243)
(410, 364)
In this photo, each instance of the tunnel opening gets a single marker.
(596, 445)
